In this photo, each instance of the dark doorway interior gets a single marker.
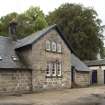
(94, 76)
(104, 76)
(72, 74)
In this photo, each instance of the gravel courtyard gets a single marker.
(81, 96)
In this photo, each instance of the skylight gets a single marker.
(1, 58)
(14, 58)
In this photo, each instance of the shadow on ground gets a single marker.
(93, 99)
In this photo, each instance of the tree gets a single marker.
(4, 23)
(81, 28)
(30, 21)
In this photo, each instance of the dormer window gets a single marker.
(54, 47)
(48, 45)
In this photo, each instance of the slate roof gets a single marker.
(78, 64)
(32, 38)
(8, 47)
(29, 40)
(95, 62)
(6, 53)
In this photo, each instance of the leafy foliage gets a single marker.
(28, 22)
(81, 28)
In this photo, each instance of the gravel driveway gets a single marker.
(81, 96)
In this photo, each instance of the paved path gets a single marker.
(82, 96)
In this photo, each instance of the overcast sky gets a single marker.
(8, 6)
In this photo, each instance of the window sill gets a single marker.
(60, 76)
(54, 52)
(54, 76)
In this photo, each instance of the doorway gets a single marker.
(104, 76)
(94, 76)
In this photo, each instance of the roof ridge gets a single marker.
(39, 31)
(33, 37)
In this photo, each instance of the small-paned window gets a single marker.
(59, 69)
(54, 47)
(48, 45)
(59, 48)
(48, 70)
(53, 69)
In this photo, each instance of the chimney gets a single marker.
(12, 29)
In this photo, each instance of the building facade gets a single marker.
(49, 59)
(97, 68)
(38, 62)
(80, 73)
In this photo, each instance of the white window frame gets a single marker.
(59, 69)
(54, 69)
(48, 69)
(54, 46)
(59, 48)
(48, 45)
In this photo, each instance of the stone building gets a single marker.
(37, 62)
(97, 68)
(80, 72)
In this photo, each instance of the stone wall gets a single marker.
(26, 55)
(100, 74)
(40, 57)
(37, 57)
(15, 80)
(82, 79)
